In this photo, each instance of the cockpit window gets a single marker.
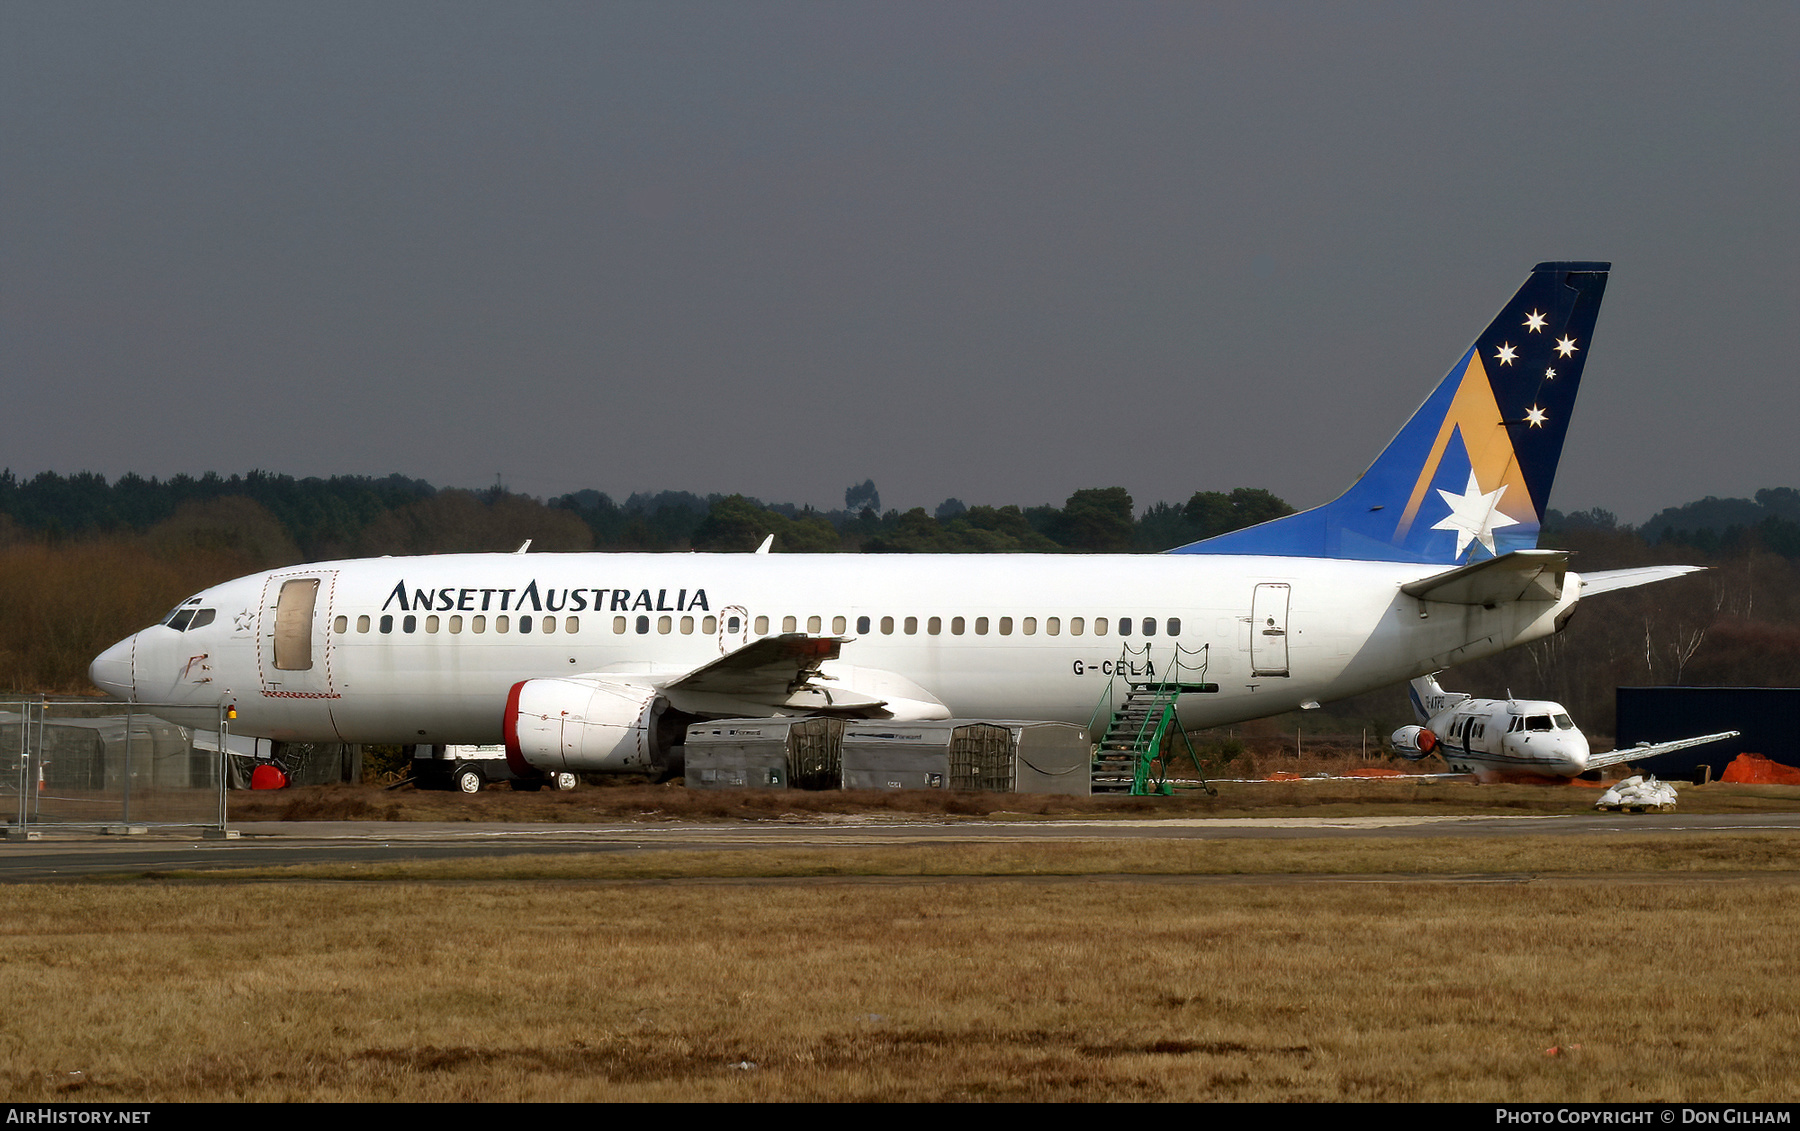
(1564, 722)
(1538, 722)
(188, 615)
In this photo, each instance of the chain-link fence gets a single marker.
(111, 765)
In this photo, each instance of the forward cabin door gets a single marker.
(295, 641)
(1269, 630)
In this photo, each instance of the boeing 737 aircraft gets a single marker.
(1511, 737)
(597, 661)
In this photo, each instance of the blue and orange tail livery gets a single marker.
(1469, 475)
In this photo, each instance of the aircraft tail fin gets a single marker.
(1428, 699)
(1417, 690)
(1469, 475)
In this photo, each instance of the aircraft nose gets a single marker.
(112, 672)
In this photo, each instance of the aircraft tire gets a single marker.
(563, 781)
(468, 780)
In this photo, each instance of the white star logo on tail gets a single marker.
(1474, 515)
(1535, 321)
(1566, 347)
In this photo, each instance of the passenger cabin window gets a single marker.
(814, 625)
(1075, 626)
(1029, 626)
(618, 624)
(1099, 626)
(643, 626)
(789, 624)
(1006, 626)
(477, 624)
(912, 626)
(887, 626)
(981, 626)
(502, 623)
(1174, 626)
(1052, 626)
(838, 624)
(862, 626)
(341, 625)
(935, 626)
(362, 623)
(1124, 626)
(1149, 626)
(956, 626)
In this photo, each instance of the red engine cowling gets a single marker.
(581, 725)
(1413, 742)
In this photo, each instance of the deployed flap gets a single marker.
(1607, 580)
(1650, 750)
(767, 670)
(1523, 575)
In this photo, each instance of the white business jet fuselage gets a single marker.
(1512, 737)
(595, 661)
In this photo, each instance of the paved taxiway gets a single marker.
(66, 855)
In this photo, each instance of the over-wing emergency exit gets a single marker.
(598, 661)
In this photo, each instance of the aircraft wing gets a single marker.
(1652, 749)
(1607, 580)
(795, 672)
(771, 668)
(1522, 575)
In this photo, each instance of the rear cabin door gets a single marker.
(1269, 630)
(294, 637)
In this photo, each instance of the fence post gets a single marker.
(125, 804)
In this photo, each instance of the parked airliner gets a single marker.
(597, 661)
(1511, 737)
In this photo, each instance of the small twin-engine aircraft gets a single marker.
(599, 661)
(1500, 737)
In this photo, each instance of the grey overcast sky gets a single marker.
(999, 251)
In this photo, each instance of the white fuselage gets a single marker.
(394, 652)
(1526, 736)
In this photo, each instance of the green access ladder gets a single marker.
(1139, 706)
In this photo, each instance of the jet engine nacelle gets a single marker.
(1414, 742)
(581, 725)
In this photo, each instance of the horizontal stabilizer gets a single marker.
(1523, 575)
(1651, 750)
(1609, 579)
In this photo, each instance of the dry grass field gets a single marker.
(1613, 969)
(636, 801)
